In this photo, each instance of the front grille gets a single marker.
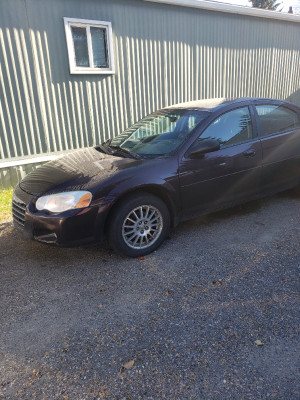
(18, 211)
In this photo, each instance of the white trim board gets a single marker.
(26, 161)
(230, 8)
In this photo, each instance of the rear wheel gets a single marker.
(139, 225)
(297, 189)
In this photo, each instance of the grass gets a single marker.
(5, 203)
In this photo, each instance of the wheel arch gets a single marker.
(155, 190)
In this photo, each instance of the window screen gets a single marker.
(80, 46)
(99, 47)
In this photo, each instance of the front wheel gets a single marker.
(138, 225)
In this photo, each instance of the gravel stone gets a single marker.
(189, 315)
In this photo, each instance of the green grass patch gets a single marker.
(5, 203)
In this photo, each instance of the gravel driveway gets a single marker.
(213, 314)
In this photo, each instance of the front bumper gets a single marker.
(68, 229)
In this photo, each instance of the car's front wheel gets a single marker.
(138, 225)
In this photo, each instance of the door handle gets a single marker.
(249, 153)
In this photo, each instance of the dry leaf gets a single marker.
(168, 292)
(129, 364)
(141, 258)
(258, 343)
(218, 282)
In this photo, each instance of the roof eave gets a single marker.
(230, 8)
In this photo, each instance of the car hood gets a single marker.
(77, 170)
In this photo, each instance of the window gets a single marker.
(174, 125)
(89, 46)
(159, 133)
(230, 128)
(276, 119)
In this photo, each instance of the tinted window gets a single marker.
(275, 119)
(230, 128)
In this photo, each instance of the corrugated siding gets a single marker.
(163, 55)
(10, 176)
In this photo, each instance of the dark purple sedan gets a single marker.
(175, 164)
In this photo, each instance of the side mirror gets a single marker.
(201, 147)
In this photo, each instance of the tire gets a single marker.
(138, 225)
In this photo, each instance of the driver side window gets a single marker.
(230, 128)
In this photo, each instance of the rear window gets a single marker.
(276, 119)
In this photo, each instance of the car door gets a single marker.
(225, 176)
(279, 130)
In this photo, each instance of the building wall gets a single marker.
(163, 55)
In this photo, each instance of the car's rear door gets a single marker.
(225, 176)
(279, 130)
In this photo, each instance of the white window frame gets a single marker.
(87, 23)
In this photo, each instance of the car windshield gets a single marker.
(159, 133)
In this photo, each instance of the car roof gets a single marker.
(217, 103)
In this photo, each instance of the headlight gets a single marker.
(64, 201)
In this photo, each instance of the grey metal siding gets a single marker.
(12, 175)
(163, 54)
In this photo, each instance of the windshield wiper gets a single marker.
(104, 148)
(121, 150)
